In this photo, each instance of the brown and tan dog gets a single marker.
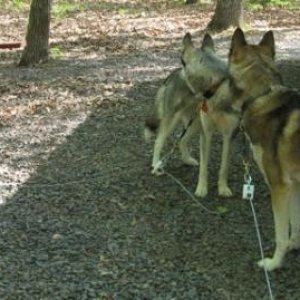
(271, 120)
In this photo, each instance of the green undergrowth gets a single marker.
(263, 4)
(14, 5)
(65, 8)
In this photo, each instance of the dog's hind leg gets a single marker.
(191, 129)
(223, 188)
(167, 125)
(205, 142)
(295, 221)
(281, 196)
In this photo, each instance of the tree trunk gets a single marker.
(37, 37)
(227, 13)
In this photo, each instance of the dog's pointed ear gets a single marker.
(187, 41)
(268, 43)
(208, 42)
(187, 48)
(238, 39)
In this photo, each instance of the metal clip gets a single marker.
(247, 178)
(248, 188)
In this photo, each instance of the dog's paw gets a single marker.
(269, 263)
(224, 191)
(190, 161)
(157, 169)
(201, 191)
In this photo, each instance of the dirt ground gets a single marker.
(81, 217)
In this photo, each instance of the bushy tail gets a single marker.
(151, 126)
(152, 123)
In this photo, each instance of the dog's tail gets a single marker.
(152, 123)
(151, 127)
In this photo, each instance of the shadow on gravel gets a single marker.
(93, 223)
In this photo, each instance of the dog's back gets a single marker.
(173, 96)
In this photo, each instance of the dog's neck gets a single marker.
(237, 93)
(251, 100)
(188, 83)
(246, 99)
(205, 95)
(213, 89)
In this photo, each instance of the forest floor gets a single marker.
(81, 217)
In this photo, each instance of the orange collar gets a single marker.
(204, 106)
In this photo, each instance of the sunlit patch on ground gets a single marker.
(27, 146)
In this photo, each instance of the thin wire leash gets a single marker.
(189, 193)
(176, 180)
(246, 156)
(261, 250)
(247, 179)
(164, 160)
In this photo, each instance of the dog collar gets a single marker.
(202, 106)
(251, 100)
(204, 95)
(210, 92)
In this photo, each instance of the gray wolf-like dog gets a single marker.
(182, 99)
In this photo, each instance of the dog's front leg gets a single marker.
(223, 188)
(205, 142)
(167, 125)
(280, 205)
(191, 130)
(295, 221)
(158, 145)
